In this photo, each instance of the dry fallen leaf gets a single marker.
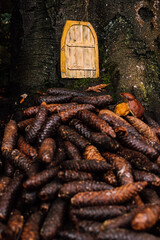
(23, 97)
(122, 109)
(41, 93)
(97, 88)
(134, 105)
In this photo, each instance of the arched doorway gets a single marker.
(79, 51)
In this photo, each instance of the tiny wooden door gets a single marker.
(79, 51)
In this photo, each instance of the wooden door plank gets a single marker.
(81, 44)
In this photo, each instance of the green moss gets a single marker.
(142, 86)
(127, 39)
(105, 78)
(82, 83)
(86, 82)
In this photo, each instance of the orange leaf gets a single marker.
(22, 100)
(97, 88)
(122, 109)
(41, 93)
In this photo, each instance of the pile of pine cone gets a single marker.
(73, 169)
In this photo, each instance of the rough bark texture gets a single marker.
(128, 36)
(35, 55)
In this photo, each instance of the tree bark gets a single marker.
(34, 46)
(128, 36)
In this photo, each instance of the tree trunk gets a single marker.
(35, 45)
(128, 36)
